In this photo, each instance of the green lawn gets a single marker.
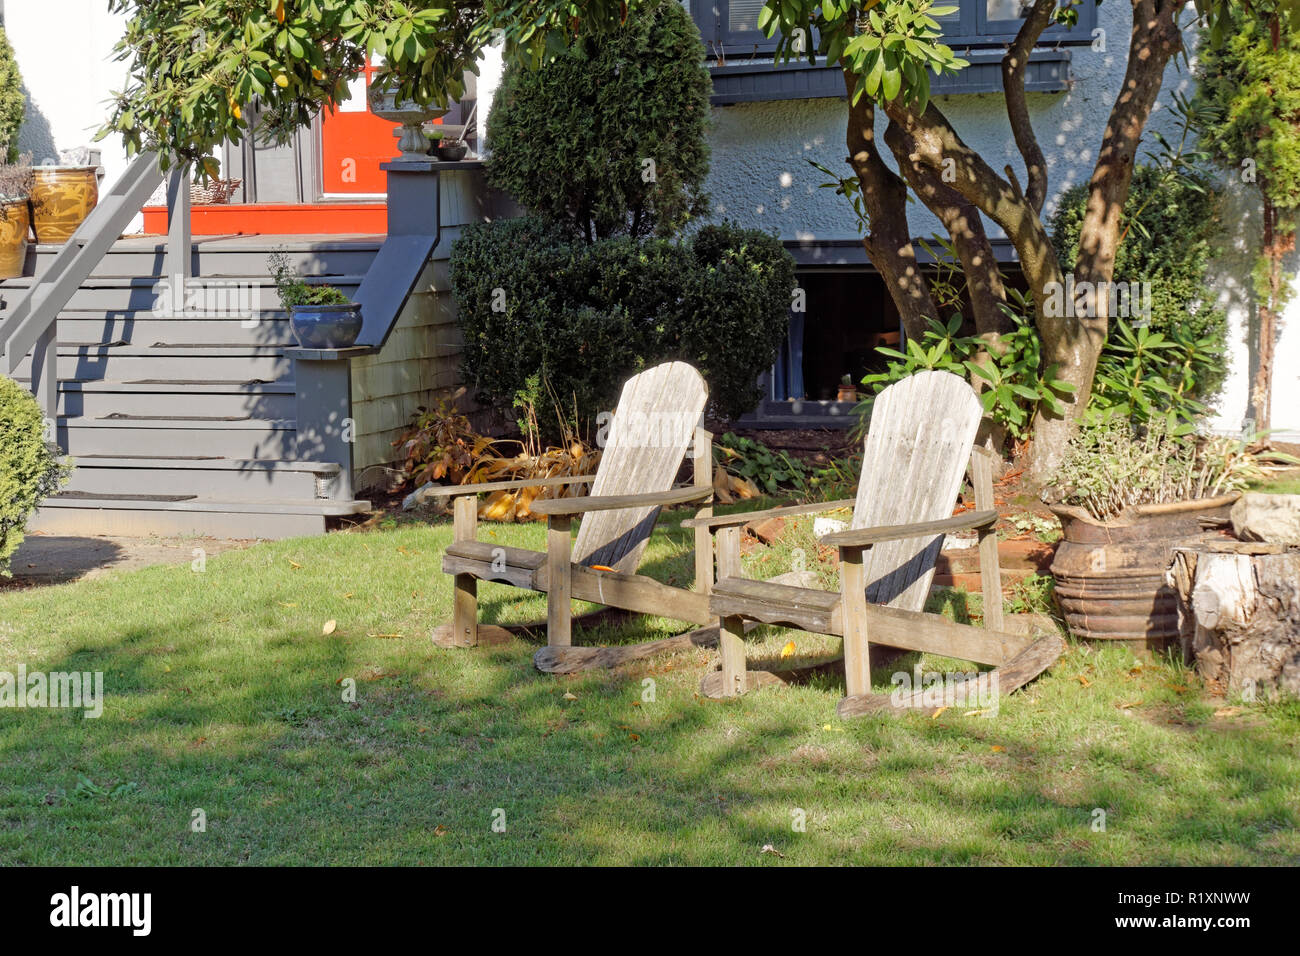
(223, 694)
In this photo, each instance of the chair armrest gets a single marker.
(863, 537)
(456, 491)
(744, 517)
(585, 503)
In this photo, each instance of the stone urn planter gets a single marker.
(15, 225)
(412, 140)
(1110, 575)
(326, 326)
(62, 198)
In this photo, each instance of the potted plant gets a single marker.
(15, 215)
(452, 150)
(1127, 495)
(847, 392)
(321, 316)
(62, 198)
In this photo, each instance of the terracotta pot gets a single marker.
(1110, 575)
(846, 393)
(15, 224)
(61, 200)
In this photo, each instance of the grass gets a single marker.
(224, 696)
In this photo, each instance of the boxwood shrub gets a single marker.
(29, 469)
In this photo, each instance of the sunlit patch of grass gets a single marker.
(223, 694)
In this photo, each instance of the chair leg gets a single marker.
(731, 642)
(853, 602)
(464, 598)
(981, 473)
(559, 610)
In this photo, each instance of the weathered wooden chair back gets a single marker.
(653, 425)
(913, 459)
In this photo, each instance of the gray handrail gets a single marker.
(32, 322)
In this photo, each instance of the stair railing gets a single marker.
(32, 323)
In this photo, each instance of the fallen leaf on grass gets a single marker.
(440, 830)
(788, 650)
(768, 848)
(936, 714)
(283, 604)
(570, 696)
(976, 713)
(329, 627)
(1130, 705)
(385, 636)
(1083, 680)
(293, 564)
(1228, 711)
(998, 749)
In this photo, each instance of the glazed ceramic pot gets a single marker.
(62, 198)
(15, 222)
(326, 326)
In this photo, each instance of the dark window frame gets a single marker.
(973, 29)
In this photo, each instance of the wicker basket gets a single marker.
(217, 192)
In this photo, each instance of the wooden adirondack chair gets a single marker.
(654, 426)
(919, 444)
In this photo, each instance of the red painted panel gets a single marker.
(277, 219)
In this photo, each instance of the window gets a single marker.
(730, 27)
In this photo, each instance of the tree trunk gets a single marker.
(1261, 392)
(884, 196)
(1075, 346)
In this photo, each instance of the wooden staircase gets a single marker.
(184, 423)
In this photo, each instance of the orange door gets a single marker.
(353, 143)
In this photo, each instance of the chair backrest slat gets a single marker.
(653, 425)
(913, 459)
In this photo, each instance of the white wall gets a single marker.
(64, 51)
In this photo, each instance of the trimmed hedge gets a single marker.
(573, 140)
(29, 470)
(578, 318)
(13, 106)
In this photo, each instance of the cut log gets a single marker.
(1239, 616)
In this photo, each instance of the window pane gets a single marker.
(1008, 9)
(743, 15)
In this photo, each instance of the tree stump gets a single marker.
(1239, 615)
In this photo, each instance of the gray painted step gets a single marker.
(131, 362)
(226, 256)
(218, 517)
(143, 294)
(144, 328)
(204, 477)
(99, 399)
(253, 438)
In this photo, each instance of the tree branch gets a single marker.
(1014, 65)
(884, 194)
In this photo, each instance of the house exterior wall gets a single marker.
(422, 355)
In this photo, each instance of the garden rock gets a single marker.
(1263, 517)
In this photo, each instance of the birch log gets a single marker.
(1239, 616)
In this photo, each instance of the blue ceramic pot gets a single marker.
(326, 326)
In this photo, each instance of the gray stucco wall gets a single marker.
(760, 178)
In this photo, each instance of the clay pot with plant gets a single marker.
(847, 392)
(321, 316)
(1127, 495)
(15, 215)
(62, 198)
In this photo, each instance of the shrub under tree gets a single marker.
(568, 321)
(609, 138)
(1172, 224)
